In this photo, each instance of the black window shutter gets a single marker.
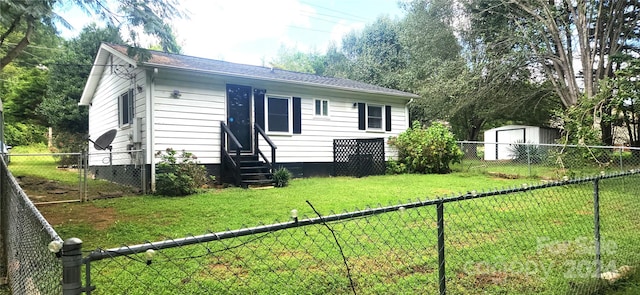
(258, 102)
(387, 117)
(297, 116)
(361, 116)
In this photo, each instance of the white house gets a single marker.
(187, 103)
(498, 141)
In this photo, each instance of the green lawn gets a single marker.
(41, 166)
(140, 218)
(389, 253)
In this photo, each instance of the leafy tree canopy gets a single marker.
(21, 20)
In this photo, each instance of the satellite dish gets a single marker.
(104, 141)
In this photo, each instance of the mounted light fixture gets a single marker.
(176, 93)
(355, 104)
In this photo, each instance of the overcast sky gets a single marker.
(250, 31)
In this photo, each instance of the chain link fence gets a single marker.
(545, 161)
(116, 174)
(61, 177)
(30, 268)
(556, 237)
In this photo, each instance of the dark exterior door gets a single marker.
(239, 115)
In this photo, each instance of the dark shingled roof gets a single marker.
(262, 73)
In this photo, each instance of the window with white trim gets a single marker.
(321, 107)
(375, 117)
(126, 108)
(278, 117)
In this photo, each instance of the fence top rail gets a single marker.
(114, 152)
(43, 154)
(100, 254)
(551, 144)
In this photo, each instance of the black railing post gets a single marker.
(255, 141)
(596, 224)
(273, 159)
(72, 267)
(528, 158)
(441, 258)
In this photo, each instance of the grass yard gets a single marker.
(108, 223)
(389, 253)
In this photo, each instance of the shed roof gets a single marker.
(184, 62)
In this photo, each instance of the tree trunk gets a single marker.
(15, 51)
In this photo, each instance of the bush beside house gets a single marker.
(425, 150)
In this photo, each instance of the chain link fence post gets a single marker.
(85, 159)
(80, 191)
(529, 158)
(143, 171)
(596, 225)
(621, 164)
(72, 267)
(441, 257)
(4, 221)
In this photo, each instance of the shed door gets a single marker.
(239, 115)
(504, 151)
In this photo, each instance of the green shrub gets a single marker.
(179, 175)
(429, 150)
(281, 177)
(67, 142)
(24, 134)
(395, 167)
(527, 153)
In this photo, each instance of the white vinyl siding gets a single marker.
(104, 113)
(192, 121)
(315, 143)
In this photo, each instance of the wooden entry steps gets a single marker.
(254, 172)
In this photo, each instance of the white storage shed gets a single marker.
(498, 141)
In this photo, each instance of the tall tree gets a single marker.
(26, 89)
(26, 17)
(292, 59)
(464, 81)
(573, 43)
(68, 74)
(622, 93)
(374, 55)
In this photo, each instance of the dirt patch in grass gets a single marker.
(480, 281)
(45, 190)
(500, 175)
(42, 190)
(62, 214)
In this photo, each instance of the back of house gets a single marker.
(216, 109)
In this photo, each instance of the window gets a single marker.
(374, 117)
(278, 114)
(321, 107)
(126, 108)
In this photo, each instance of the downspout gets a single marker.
(406, 113)
(150, 119)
